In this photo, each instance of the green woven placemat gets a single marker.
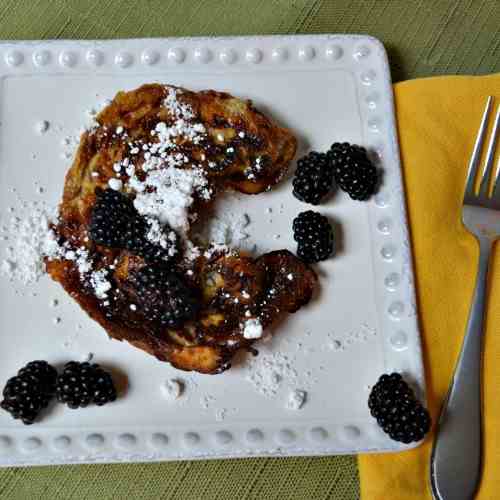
(423, 38)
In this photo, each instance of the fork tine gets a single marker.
(496, 186)
(491, 151)
(490, 156)
(476, 153)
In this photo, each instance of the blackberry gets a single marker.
(313, 178)
(110, 219)
(74, 384)
(314, 236)
(116, 223)
(44, 372)
(26, 394)
(353, 171)
(104, 388)
(23, 398)
(163, 296)
(83, 383)
(393, 403)
(141, 233)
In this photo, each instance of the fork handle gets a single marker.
(456, 455)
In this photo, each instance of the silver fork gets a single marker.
(456, 455)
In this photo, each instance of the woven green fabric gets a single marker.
(423, 38)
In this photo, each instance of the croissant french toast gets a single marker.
(154, 162)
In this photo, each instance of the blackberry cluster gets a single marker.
(393, 403)
(44, 372)
(83, 383)
(352, 170)
(116, 223)
(26, 394)
(313, 178)
(314, 236)
(163, 296)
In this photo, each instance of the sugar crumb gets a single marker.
(252, 329)
(115, 184)
(172, 389)
(296, 399)
(42, 126)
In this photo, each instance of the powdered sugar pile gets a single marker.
(226, 229)
(115, 184)
(32, 241)
(252, 329)
(269, 373)
(167, 195)
(170, 186)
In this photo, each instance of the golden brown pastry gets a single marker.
(155, 161)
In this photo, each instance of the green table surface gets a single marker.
(423, 38)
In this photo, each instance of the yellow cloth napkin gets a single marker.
(438, 120)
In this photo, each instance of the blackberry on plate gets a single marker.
(116, 223)
(23, 398)
(393, 403)
(353, 171)
(163, 296)
(83, 383)
(314, 236)
(26, 394)
(313, 178)
(44, 372)
(104, 389)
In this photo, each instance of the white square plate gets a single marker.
(325, 88)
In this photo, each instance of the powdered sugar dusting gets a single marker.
(31, 242)
(269, 373)
(176, 108)
(100, 283)
(97, 278)
(157, 236)
(167, 195)
(80, 256)
(226, 229)
(172, 181)
(165, 182)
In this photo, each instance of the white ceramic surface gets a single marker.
(325, 88)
